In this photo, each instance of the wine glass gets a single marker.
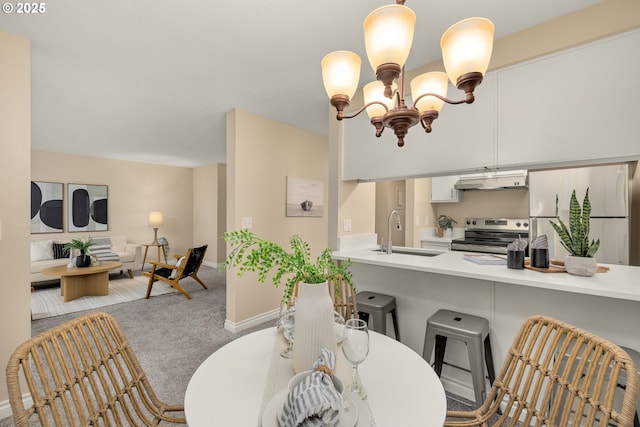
(287, 320)
(355, 346)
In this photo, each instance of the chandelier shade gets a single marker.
(374, 97)
(435, 82)
(388, 35)
(341, 73)
(466, 47)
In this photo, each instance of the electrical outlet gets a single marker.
(247, 222)
(417, 221)
(346, 224)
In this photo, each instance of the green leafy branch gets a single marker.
(251, 253)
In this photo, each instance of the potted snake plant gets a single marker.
(581, 260)
(314, 309)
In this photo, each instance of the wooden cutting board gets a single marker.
(556, 266)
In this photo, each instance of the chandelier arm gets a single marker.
(467, 100)
(365, 107)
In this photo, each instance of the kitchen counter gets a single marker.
(620, 281)
(605, 304)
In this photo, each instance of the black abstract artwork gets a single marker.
(46, 207)
(87, 207)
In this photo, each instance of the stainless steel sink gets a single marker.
(408, 251)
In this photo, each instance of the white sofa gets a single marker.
(42, 256)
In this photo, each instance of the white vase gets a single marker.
(314, 325)
(580, 266)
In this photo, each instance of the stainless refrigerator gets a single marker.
(609, 196)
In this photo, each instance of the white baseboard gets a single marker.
(253, 321)
(458, 388)
(5, 406)
(211, 264)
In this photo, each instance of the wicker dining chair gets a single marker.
(558, 375)
(84, 373)
(344, 298)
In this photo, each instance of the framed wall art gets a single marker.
(46, 207)
(87, 207)
(305, 197)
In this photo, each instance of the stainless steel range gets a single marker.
(490, 235)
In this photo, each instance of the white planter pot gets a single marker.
(314, 325)
(580, 266)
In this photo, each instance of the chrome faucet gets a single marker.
(398, 227)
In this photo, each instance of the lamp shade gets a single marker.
(434, 82)
(340, 73)
(374, 91)
(466, 47)
(388, 35)
(155, 219)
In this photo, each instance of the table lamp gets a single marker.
(155, 221)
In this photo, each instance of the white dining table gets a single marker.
(233, 385)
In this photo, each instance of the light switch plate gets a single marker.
(417, 221)
(346, 224)
(247, 222)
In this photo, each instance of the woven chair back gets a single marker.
(84, 373)
(558, 375)
(344, 298)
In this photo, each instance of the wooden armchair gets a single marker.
(84, 373)
(187, 266)
(558, 375)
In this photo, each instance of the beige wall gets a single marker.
(209, 210)
(15, 144)
(418, 206)
(601, 20)
(134, 190)
(261, 153)
(508, 203)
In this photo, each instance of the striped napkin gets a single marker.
(314, 401)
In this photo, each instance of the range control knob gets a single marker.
(473, 222)
(518, 224)
(526, 224)
(468, 222)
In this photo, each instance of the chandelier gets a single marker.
(388, 34)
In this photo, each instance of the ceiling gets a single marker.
(152, 80)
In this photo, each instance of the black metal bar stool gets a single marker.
(377, 306)
(474, 332)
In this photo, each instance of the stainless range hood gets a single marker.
(493, 180)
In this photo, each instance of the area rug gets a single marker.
(48, 302)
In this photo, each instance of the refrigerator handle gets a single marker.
(533, 227)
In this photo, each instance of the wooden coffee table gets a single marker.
(84, 281)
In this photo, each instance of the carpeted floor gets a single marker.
(172, 335)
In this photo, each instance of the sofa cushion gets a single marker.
(59, 250)
(118, 244)
(41, 250)
(38, 266)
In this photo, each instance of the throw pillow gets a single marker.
(174, 272)
(59, 251)
(41, 250)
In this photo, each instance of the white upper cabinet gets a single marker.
(574, 106)
(463, 139)
(443, 189)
